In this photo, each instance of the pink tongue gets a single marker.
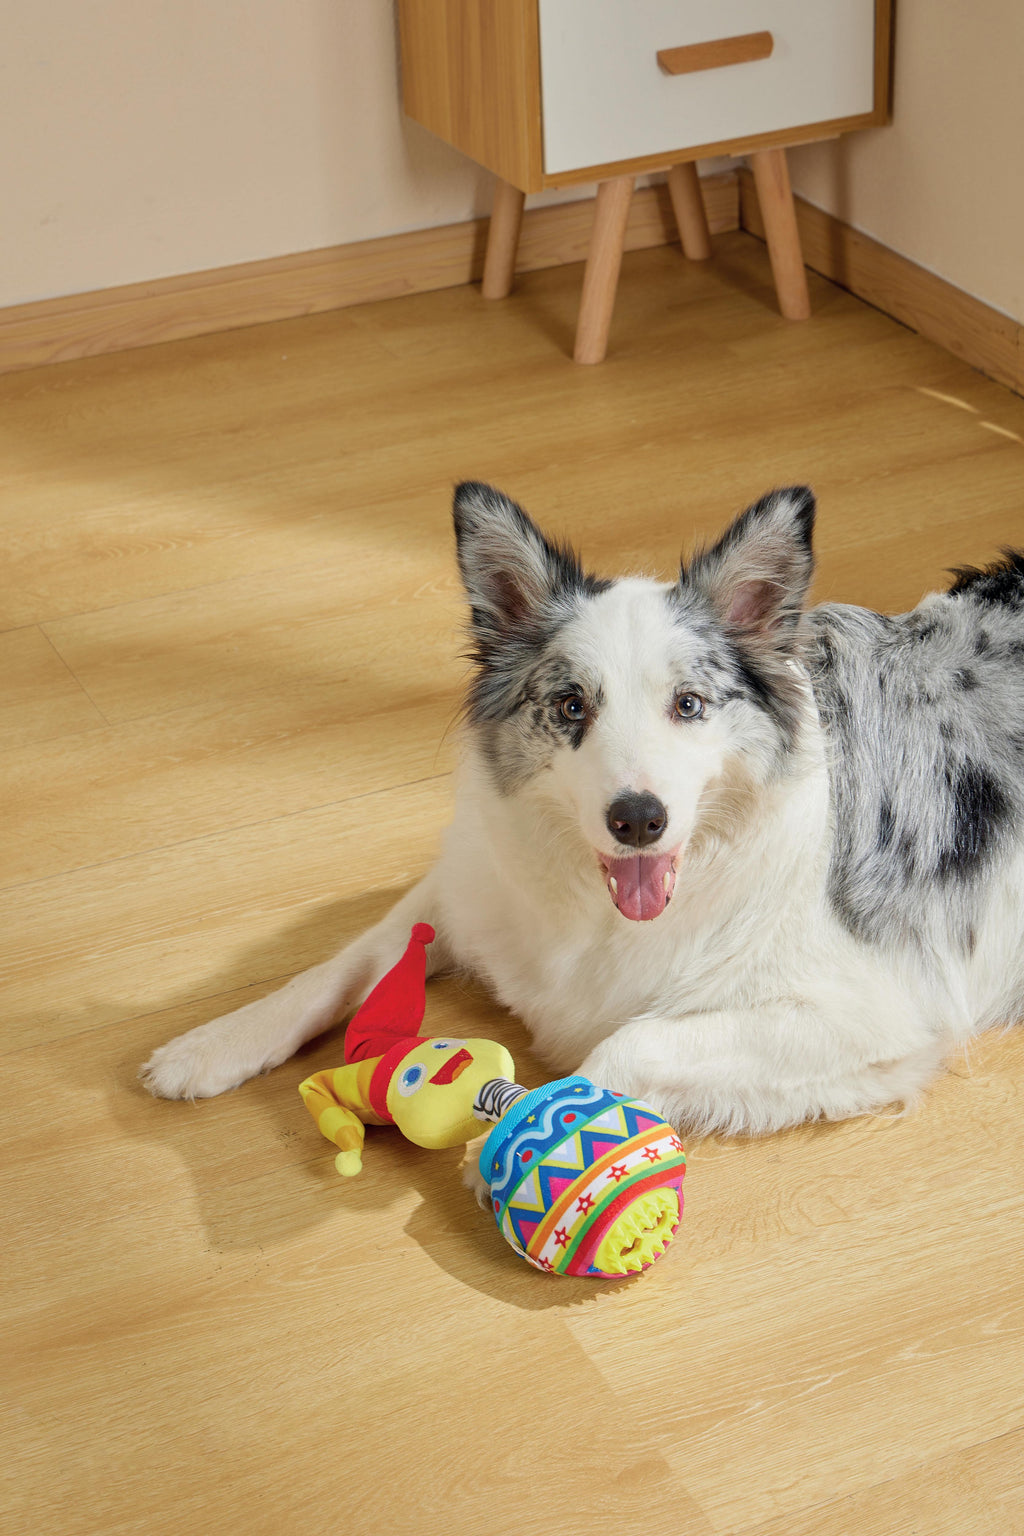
(640, 892)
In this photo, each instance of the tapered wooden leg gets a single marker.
(502, 241)
(601, 276)
(691, 215)
(774, 193)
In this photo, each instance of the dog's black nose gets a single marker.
(636, 819)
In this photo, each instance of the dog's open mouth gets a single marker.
(641, 885)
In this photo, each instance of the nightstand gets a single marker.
(549, 93)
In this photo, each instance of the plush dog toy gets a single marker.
(583, 1181)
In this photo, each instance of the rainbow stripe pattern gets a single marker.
(585, 1181)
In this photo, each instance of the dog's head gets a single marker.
(638, 708)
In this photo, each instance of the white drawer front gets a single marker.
(606, 98)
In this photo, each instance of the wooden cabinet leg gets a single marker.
(502, 240)
(691, 216)
(601, 276)
(774, 193)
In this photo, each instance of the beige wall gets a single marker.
(944, 184)
(144, 138)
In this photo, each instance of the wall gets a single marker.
(141, 139)
(944, 184)
(146, 138)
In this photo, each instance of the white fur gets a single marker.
(746, 1006)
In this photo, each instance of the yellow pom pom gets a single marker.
(348, 1163)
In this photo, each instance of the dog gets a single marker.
(754, 863)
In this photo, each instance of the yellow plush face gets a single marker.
(432, 1092)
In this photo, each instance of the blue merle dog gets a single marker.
(752, 862)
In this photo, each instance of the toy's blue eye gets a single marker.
(445, 1045)
(411, 1079)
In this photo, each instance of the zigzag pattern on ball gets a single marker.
(548, 1180)
(574, 1132)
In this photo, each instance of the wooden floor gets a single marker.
(229, 659)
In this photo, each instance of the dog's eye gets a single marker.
(689, 706)
(572, 708)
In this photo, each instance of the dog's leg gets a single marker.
(472, 1178)
(758, 1070)
(216, 1056)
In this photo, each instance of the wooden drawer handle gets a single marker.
(724, 50)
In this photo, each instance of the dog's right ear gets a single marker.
(515, 578)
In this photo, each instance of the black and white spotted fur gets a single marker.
(830, 894)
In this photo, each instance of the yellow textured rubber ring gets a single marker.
(641, 1234)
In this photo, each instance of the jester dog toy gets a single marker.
(582, 1181)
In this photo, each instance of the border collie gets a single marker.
(752, 863)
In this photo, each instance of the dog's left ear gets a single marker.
(758, 573)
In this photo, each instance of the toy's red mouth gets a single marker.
(640, 885)
(453, 1067)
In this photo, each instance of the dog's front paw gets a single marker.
(227, 1051)
(607, 1068)
(220, 1055)
(196, 1065)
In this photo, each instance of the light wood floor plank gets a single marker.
(115, 791)
(40, 699)
(968, 1493)
(209, 647)
(200, 918)
(230, 652)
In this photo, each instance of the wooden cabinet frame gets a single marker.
(471, 73)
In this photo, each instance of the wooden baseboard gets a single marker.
(113, 320)
(965, 326)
